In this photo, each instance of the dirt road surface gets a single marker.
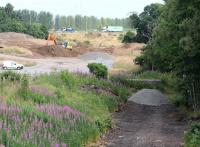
(49, 64)
(147, 126)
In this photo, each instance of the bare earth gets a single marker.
(147, 126)
(30, 51)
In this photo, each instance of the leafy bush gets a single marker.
(150, 75)
(179, 100)
(125, 81)
(98, 69)
(192, 137)
(38, 98)
(10, 75)
(11, 21)
(129, 37)
(139, 60)
(103, 123)
(24, 87)
(68, 79)
(37, 30)
(14, 26)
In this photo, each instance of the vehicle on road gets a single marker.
(112, 29)
(12, 65)
(69, 30)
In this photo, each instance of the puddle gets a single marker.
(99, 57)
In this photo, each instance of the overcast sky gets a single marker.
(99, 8)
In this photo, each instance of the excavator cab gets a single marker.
(67, 45)
(52, 37)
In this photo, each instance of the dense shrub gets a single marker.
(13, 26)
(98, 69)
(10, 75)
(129, 37)
(68, 79)
(103, 123)
(11, 21)
(37, 30)
(192, 137)
(24, 87)
(139, 60)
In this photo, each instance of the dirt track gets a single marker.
(47, 65)
(147, 126)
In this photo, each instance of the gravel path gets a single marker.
(157, 124)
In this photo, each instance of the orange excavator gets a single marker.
(52, 41)
(52, 37)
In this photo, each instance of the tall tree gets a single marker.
(9, 9)
(144, 22)
(175, 46)
(57, 22)
(46, 19)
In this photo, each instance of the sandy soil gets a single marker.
(27, 46)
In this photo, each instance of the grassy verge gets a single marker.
(15, 51)
(59, 109)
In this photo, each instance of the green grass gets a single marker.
(192, 137)
(57, 90)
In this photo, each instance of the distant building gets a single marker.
(112, 29)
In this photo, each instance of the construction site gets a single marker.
(38, 54)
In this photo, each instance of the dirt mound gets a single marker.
(149, 97)
(39, 48)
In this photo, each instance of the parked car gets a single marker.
(12, 65)
(70, 30)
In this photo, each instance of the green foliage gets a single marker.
(38, 30)
(68, 79)
(24, 87)
(144, 22)
(128, 37)
(9, 9)
(174, 47)
(46, 19)
(88, 23)
(150, 75)
(98, 69)
(135, 84)
(16, 21)
(140, 60)
(66, 89)
(103, 123)
(192, 137)
(13, 26)
(59, 94)
(10, 75)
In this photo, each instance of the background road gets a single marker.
(47, 65)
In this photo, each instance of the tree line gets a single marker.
(173, 46)
(38, 24)
(13, 21)
(143, 23)
(87, 23)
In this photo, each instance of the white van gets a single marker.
(12, 65)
